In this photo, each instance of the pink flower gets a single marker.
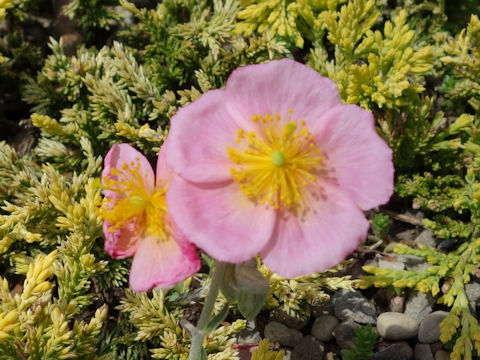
(275, 164)
(137, 221)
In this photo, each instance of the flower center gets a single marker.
(278, 158)
(276, 164)
(133, 202)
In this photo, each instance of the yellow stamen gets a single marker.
(135, 203)
(277, 164)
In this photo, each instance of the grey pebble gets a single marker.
(390, 247)
(323, 327)
(250, 335)
(279, 333)
(396, 326)
(292, 322)
(473, 294)
(436, 346)
(418, 305)
(322, 309)
(429, 331)
(427, 238)
(308, 348)
(344, 334)
(413, 262)
(397, 351)
(397, 304)
(442, 355)
(394, 265)
(352, 305)
(422, 352)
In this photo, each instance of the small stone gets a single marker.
(331, 356)
(344, 334)
(394, 265)
(397, 351)
(352, 305)
(413, 262)
(292, 322)
(288, 354)
(448, 244)
(442, 355)
(322, 309)
(436, 346)
(422, 352)
(396, 326)
(406, 235)
(127, 17)
(396, 304)
(473, 294)
(250, 335)
(279, 333)
(427, 238)
(323, 327)
(371, 262)
(390, 247)
(429, 331)
(308, 348)
(419, 305)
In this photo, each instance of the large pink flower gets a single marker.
(275, 164)
(137, 221)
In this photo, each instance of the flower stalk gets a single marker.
(196, 347)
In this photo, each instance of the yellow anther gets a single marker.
(135, 203)
(278, 164)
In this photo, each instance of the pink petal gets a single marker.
(199, 136)
(164, 172)
(360, 159)
(220, 219)
(333, 229)
(121, 243)
(162, 263)
(276, 87)
(120, 154)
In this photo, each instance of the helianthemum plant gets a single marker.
(137, 221)
(275, 165)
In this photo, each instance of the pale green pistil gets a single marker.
(137, 200)
(278, 158)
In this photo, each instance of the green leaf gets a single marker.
(217, 319)
(244, 284)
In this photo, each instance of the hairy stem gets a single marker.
(197, 338)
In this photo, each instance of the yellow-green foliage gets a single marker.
(4, 5)
(293, 295)
(455, 268)
(263, 352)
(463, 54)
(35, 325)
(371, 68)
(196, 50)
(290, 19)
(171, 54)
(53, 210)
(122, 100)
(157, 320)
(446, 194)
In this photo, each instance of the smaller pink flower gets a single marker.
(137, 222)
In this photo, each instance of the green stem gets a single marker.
(196, 346)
